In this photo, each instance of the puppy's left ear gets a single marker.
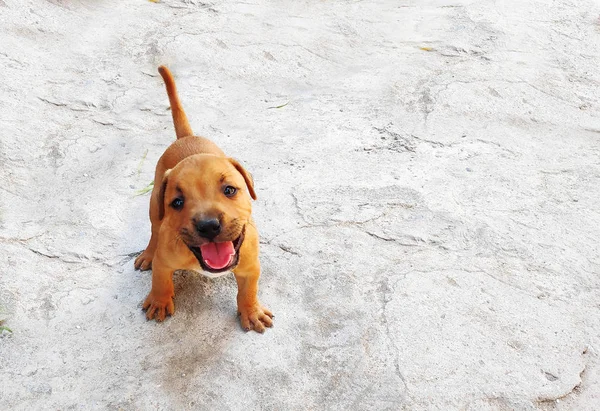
(161, 195)
(247, 176)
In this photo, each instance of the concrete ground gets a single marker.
(428, 176)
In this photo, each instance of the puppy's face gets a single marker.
(205, 200)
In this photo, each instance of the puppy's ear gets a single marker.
(247, 177)
(161, 195)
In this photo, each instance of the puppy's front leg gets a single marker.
(168, 257)
(144, 261)
(252, 314)
(159, 302)
(171, 254)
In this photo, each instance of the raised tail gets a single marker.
(182, 126)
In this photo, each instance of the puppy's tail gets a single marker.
(182, 126)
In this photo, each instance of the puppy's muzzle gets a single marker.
(208, 228)
(216, 257)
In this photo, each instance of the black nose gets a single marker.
(208, 228)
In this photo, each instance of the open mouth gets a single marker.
(216, 257)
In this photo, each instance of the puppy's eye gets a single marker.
(177, 204)
(229, 191)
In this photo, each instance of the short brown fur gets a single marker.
(195, 168)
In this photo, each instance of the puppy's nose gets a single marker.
(208, 228)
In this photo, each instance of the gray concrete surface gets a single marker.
(428, 203)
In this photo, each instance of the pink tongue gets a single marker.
(217, 255)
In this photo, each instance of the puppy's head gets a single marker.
(205, 200)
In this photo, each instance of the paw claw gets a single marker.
(158, 308)
(255, 317)
(143, 261)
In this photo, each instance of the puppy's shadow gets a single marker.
(203, 326)
(197, 296)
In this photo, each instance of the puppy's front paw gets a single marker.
(158, 307)
(255, 317)
(144, 261)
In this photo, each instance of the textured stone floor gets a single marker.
(428, 180)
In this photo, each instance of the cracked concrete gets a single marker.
(428, 178)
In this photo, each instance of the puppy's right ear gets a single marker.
(247, 176)
(161, 195)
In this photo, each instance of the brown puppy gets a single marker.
(200, 215)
